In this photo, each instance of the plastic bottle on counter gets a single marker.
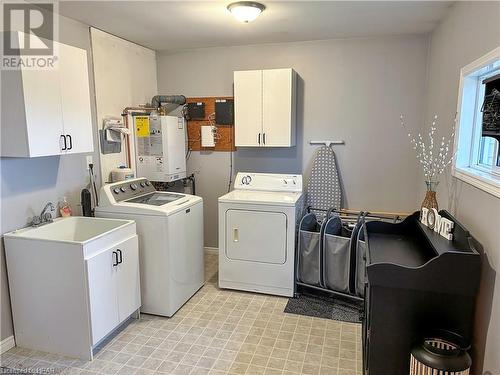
(64, 208)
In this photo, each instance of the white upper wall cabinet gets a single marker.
(248, 107)
(75, 99)
(265, 107)
(47, 112)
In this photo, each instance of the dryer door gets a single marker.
(256, 236)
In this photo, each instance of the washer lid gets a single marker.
(128, 207)
(261, 197)
(156, 198)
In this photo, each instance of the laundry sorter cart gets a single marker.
(330, 254)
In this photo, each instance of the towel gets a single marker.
(114, 128)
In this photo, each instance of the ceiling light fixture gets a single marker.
(246, 11)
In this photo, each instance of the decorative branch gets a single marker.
(433, 162)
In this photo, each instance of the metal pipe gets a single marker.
(169, 99)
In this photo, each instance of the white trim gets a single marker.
(466, 140)
(7, 344)
(482, 180)
(480, 63)
(211, 250)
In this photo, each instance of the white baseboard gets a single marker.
(211, 250)
(7, 344)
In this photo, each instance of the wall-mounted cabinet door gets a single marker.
(248, 108)
(75, 99)
(278, 107)
(42, 108)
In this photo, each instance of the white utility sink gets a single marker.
(72, 282)
(78, 229)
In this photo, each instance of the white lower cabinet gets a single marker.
(113, 277)
(128, 280)
(103, 296)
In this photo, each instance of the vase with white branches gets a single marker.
(434, 157)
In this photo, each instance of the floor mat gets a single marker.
(323, 305)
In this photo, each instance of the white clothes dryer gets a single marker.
(257, 233)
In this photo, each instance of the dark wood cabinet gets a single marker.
(417, 281)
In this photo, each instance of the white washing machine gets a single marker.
(257, 226)
(170, 230)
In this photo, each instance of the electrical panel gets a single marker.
(224, 111)
(160, 147)
(196, 111)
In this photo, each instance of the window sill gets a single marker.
(482, 180)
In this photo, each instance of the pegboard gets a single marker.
(226, 132)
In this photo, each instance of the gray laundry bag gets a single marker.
(336, 251)
(309, 250)
(359, 252)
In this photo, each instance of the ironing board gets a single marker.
(324, 189)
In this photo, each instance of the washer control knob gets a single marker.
(116, 190)
(123, 189)
(133, 186)
(148, 183)
(143, 184)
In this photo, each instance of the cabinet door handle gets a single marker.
(236, 236)
(115, 259)
(264, 138)
(65, 147)
(70, 142)
(259, 138)
(121, 256)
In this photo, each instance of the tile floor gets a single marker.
(216, 332)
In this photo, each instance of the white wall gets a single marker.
(125, 75)
(28, 184)
(352, 89)
(468, 32)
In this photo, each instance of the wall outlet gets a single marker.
(90, 160)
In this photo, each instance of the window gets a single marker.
(477, 160)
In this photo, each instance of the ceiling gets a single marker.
(174, 25)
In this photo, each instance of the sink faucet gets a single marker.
(44, 217)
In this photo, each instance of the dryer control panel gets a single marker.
(123, 190)
(268, 182)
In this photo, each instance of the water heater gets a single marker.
(160, 147)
